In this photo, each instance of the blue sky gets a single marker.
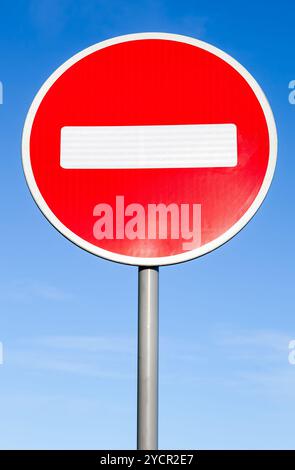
(68, 319)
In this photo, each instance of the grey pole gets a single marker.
(148, 340)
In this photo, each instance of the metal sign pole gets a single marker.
(148, 340)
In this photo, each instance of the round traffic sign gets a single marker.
(149, 149)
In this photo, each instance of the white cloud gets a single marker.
(113, 344)
(100, 357)
(44, 361)
(260, 346)
(27, 290)
(252, 361)
(275, 340)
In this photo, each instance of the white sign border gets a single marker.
(166, 260)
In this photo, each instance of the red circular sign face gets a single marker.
(149, 149)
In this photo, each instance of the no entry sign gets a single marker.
(149, 149)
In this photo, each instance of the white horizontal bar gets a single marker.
(177, 146)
